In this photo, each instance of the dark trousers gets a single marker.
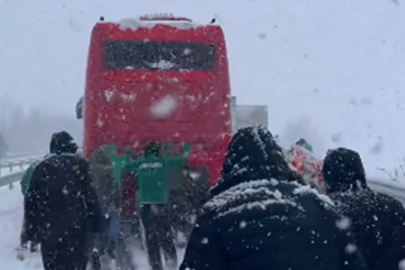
(104, 244)
(24, 238)
(67, 253)
(158, 236)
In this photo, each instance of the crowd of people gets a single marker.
(263, 213)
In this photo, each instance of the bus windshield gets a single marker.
(139, 55)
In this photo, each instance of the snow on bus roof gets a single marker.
(150, 21)
(162, 17)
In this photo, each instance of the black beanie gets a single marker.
(343, 170)
(62, 142)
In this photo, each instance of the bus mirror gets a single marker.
(79, 109)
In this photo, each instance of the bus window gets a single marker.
(138, 55)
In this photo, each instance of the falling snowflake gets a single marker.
(343, 223)
(402, 265)
(204, 241)
(367, 101)
(108, 95)
(100, 123)
(353, 102)
(164, 108)
(336, 137)
(350, 249)
(128, 98)
(162, 64)
(187, 51)
(194, 175)
(242, 224)
(378, 147)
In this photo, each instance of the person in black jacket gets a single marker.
(378, 221)
(61, 206)
(259, 218)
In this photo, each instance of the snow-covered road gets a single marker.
(11, 212)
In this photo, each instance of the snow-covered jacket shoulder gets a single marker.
(260, 194)
(270, 224)
(378, 224)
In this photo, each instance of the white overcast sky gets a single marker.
(322, 67)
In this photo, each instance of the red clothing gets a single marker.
(304, 163)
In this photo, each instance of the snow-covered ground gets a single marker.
(11, 213)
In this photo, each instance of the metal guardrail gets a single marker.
(11, 178)
(390, 185)
(393, 189)
(18, 162)
(17, 165)
(23, 155)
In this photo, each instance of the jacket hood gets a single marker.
(343, 170)
(62, 142)
(252, 154)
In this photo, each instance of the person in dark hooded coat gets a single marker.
(377, 220)
(61, 206)
(259, 218)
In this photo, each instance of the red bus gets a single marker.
(159, 78)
